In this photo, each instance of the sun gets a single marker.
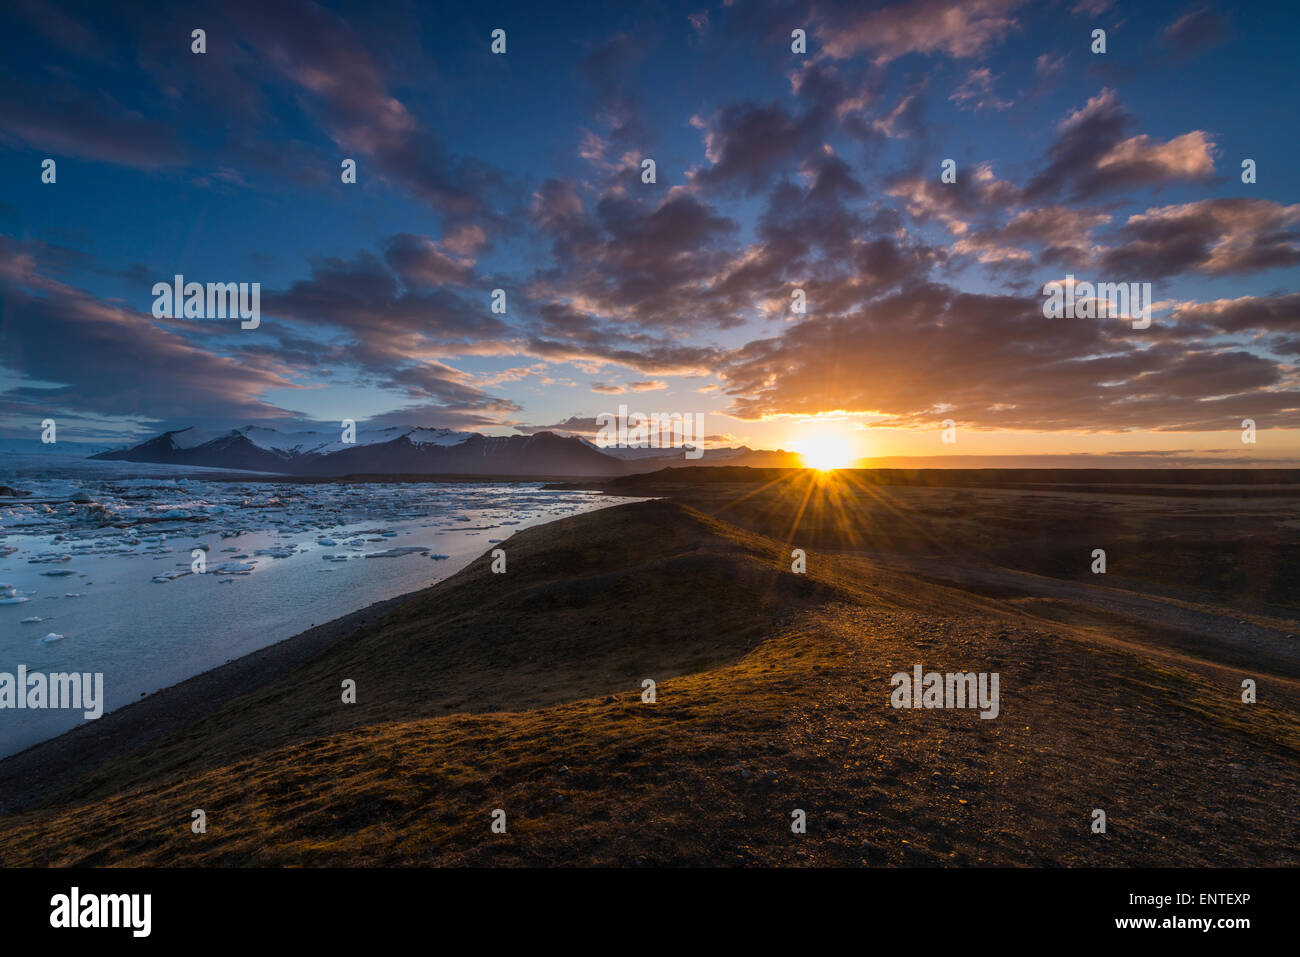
(825, 451)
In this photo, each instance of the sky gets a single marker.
(775, 170)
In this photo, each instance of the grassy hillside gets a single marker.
(522, 691)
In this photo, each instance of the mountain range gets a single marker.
(408, 450)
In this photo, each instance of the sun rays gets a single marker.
(825, 450)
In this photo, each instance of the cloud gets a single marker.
(651, 262)
(1212, 236)
(794, 187)
(747, 144)
(573, 425)
(65, 121)
(93, 352)
(609, 74)
(640, 354)
(420, 261)
(394, 336)
(976, 193)
(994, 362)
(1092, 154)
(435, 417)
(1047, 66)
(1194, 31)
(917, 26)
(1064, 235)
(1253, 316)
(260, 54)
(976, 92)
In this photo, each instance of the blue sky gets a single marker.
(775, 171)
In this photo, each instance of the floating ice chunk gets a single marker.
(14, 600)
(234, 568)
(327, 542)
(280, 551)
(51, 638)
(59, 573)
(399, 552)
(34, 619)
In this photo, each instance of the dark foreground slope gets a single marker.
(522, 692)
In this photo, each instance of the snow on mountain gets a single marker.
(287, 443)
(322, 443)
(191, 437)
(412, 450)
(399, 450)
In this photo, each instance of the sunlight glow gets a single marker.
(825, 451)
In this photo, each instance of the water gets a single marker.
(126, 603)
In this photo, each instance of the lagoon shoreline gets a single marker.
(30, 775)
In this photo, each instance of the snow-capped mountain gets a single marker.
(409, 450)
(393, 451)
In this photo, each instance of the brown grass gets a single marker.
(522, 691)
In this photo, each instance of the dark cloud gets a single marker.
(977, 194)
(395, 337)
(1093, 154)
(628, 283)
(609, 74)
(106, 360)
(67, 121)
(635, 353)
(420, 261)
(994, 362)
(891, 31)
(747, 144)
(293, 50)
(1249, 315)
(1198, 29)
(1213, 236)
(639, 261)
(437, 417)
